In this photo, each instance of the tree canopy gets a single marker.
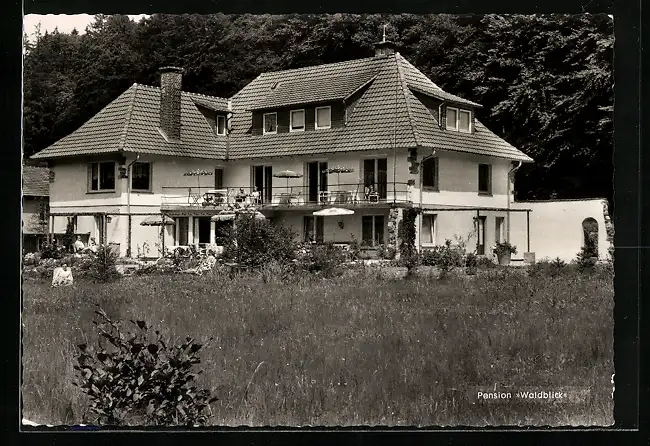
(546, 81)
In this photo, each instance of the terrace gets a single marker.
(344, 195)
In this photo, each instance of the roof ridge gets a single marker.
(127, 120)
(400, 79)
(316, 66)
(152, 87)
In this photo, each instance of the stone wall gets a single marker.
(394, 217)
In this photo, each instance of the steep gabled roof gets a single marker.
(36, 181)
(130, 124)
(387, 115)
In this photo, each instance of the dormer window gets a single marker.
(297, 120)
(458, 119)
(221, 125)
(323, 118)
(270, 123)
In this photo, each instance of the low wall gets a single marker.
(556, 227)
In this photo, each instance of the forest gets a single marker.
(545, 81)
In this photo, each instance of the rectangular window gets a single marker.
(484, 179)
(141, 176)
(42, 212)
(297, 120)
(221, 125)
(323, 118)
(102, 176)
(428, 235)
(430, 173)
(372, 230)
(463, 120)
(452, 118)
(270, 123)
(498, 229)
(218, 178)
(313, 229)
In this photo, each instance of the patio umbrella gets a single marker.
(228, 215)
(338, 170)
(288, 174)
(333, 212)
(159, 220)
(198, 173)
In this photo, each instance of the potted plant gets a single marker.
(471, 262)
(504, 251)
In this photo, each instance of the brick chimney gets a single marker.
(170, 102)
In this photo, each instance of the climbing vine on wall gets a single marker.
(406, 234)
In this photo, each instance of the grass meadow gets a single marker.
(353, 350)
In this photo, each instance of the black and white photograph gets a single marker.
(317, 220)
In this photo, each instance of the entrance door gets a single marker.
(183, 225)
(375, 175)
(480, 244)
(263, 182)
(204, 229)
(316, 179)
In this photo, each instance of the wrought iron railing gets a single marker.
(286, 196)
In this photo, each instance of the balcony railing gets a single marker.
(287, 196)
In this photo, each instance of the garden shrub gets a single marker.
(255, 242)
(103, 266)
(139, 379)
(386, 252)
(325, 259)
(51, 251)
(445, 257)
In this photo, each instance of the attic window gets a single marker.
(459, 119)
(270, 123)
(297, 121)
(323, 117)
(221, 125)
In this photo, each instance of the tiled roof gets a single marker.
(417, 81)
(325, 88)
(130, 123)
(387, 115)
(210, 102)
(36, 181)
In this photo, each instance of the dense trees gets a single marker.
(546, 81)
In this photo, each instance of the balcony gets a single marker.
(286, 198)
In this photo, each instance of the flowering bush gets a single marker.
(386, 252)
(445, 257)
(504, 248)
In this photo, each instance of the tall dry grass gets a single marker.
(355, 350)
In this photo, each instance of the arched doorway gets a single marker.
(590, 236)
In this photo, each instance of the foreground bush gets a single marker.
(139, 380)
